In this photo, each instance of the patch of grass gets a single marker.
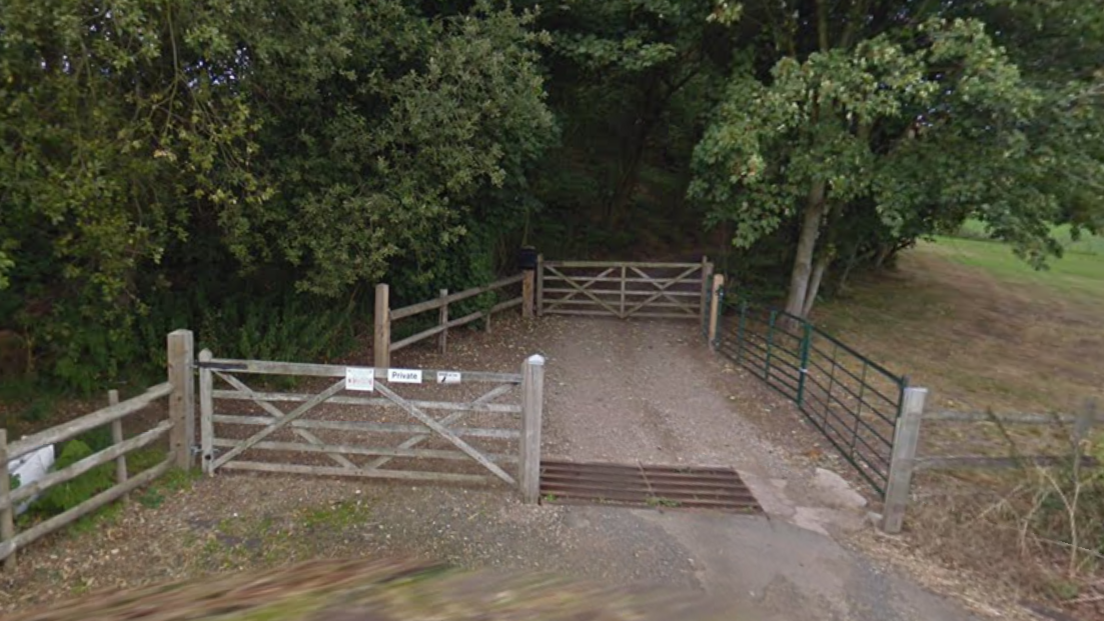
(549, 498)
(338, 516)
(656, 501)
(1076, 273)
(1085, 244)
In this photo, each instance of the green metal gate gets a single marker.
(850, 399)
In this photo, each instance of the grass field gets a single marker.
(981, 328)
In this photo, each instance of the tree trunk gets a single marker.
(814, 284)
(806, 246)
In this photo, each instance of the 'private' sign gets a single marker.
(404, 376)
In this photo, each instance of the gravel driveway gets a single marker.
(615, 391)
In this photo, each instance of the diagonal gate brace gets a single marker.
(429, 421)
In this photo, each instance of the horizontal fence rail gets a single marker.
(623, 289)
(386, 316)
(851, 400)
(178, 394)
(1080, 426)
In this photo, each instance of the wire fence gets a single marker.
(850, 399)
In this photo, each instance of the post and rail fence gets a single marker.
(178, 390)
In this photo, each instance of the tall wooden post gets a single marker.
(715, 309)
(7, 514)
(117, 438)
(540, 285)
(706, 277)
(206, 414)
(442, 320)
(382, 344)
(182, 398)
(528, 283)
(906, 437)
(532, 405)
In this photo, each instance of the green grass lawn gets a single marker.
(1077, 273)
(1085, 244)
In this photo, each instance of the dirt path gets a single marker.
(617, 391)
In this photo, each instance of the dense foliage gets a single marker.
(250, 168)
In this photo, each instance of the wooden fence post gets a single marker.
(442, 320)
(206, 415)
(540, 285)
(182, 398)
(7, 515)
(715, 309)
(906, 437)
(527, 289)
(382, 344)
(532, 404)
(706, 277)
(117, 438)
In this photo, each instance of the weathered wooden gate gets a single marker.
(343, 428)
(623, 289)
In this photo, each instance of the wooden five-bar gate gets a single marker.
(623, 289)
(346, 426)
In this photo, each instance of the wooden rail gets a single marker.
(905, 462)
(178, 424)
(385, 315)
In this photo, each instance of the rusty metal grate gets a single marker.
(675, 487)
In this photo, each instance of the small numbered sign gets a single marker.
(448, 377)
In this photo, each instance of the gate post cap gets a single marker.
(536, 359)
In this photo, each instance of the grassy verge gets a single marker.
(982, 330)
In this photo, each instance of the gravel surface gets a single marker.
(615, 391)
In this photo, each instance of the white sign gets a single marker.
(404, 376)
(448, 377)
(360, 378)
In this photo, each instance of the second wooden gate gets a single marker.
(623, 289)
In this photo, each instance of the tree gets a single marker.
(871, 110)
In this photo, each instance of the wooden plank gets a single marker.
(540, 284)
(381, 343)
(7, 548)
(906, 436)
(422, 307)
(448, 421)
(964, 462)
(475, 406)
(608, 314)
(405, 475)
(581, 285)
(267, 367)
(7, 512)
(621, 306)
(628, 280)
(116, 438)
(278, 414)
(361, 427)
(206, 413)
(279, 424)
(56, 434)
(88, 463)
(617, 293)
(444, 432)
(442, 320)
(350, 449)
(603, 264)
(532, 397)
(181, 347)
(1008, 418)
